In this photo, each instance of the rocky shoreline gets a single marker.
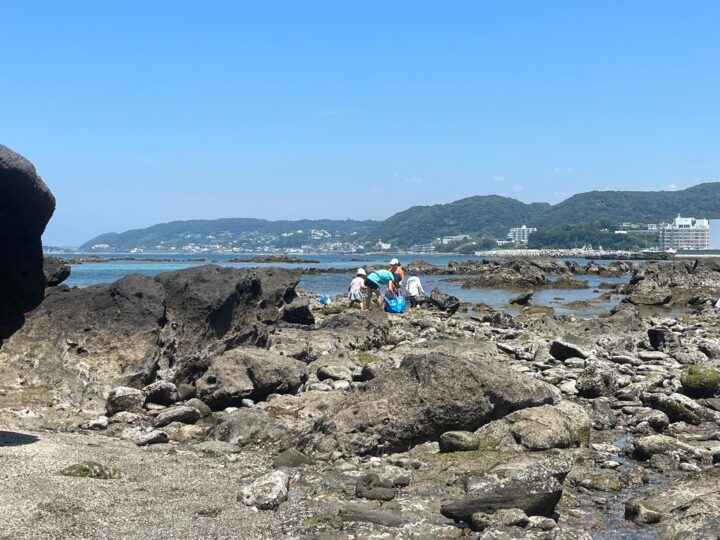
(221, 402)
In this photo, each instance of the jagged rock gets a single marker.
(662, 338)
(522, 299)
(123, 398)
(597, 380)
(428, 395)
(563, 349)
(445, 302)
(55, 270)
(535, 490)
(161, 392)
(248, 373)
(178, 413)
(298, 312)
(700, 381)
(267, 492)
(26, 205)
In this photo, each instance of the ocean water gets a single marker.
(332, 285)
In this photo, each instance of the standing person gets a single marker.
(414, 288)
(355, 291)
(374, 280)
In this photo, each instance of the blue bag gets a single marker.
(395, 305)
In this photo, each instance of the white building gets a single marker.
(457, 238)
(520, 235)
(685, 233)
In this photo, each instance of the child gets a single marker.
(414, 289)
(355, 291)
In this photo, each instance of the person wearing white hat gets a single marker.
(355, 291)
(395, 268)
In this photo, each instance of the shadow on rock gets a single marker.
(12, 438)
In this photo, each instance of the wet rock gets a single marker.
(522, 299)
(426, 396)
(640, 513)
(123, 398)
(267, 492)
(26, 205)
(535, 490)
(161, 392)
(701, 381)
(90, 469)
(646, 447)
(445, 302)
(370, 486)
(55, 270)
(179, 413)
(597, 380)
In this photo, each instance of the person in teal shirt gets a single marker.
(375, 279)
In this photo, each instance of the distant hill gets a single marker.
(238, 232)
(489, 215)
(701, 201)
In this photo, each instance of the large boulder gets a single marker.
(26, 205)
(426, 396)
(249, 373)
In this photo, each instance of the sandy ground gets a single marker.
(158, 496)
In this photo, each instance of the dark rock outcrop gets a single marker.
(56, 271)
(79, 342)
(26, 205)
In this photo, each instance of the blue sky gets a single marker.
(140, 112)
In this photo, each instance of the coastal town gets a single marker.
(682, 234)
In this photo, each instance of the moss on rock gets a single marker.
(90, 469)
(701, 381)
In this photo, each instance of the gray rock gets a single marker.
(505, 517)
(458, 441)
(336, 373)
(26, 205)
(563, 349)
(291, 457)
(674, 406)
(445, 302)
(701, 381)
(201, 407)
(646, 447)
(640, 513)
(123, 398)
(370, 486)
(535, 490)
(596, 380)
(161, 392)
(142, 437)
(179, 413)
(248, 372)
(267, 492)
(425, 397)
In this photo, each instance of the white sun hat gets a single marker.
(361, 272)
(394, 261)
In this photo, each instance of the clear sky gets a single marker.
(139, 112)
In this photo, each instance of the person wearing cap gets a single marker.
(375, 279)
(414, 289)
(395, 268)
(355, 291)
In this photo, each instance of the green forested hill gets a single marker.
(701, 201)
(479, 216)
(491, 214)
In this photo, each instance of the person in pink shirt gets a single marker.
(355, 291)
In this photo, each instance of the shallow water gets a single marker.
(332, 285)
